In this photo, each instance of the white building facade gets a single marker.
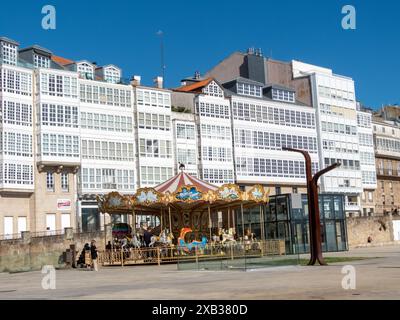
(213, 116)
(185, 143)
(338, 138)
(367, 161)
(58, 147)
(16, 141)
(265, 119)
(154, 134)
(108, 145)
(205, 98)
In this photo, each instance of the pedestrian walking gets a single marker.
(93, 253)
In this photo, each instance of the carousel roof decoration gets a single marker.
(183, 179)
(258, 194)
(146, 196)
(114, 201)
(229, 192)
(182, 192)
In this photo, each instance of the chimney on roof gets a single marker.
(158, 82)
(135, 81)
(197, 75)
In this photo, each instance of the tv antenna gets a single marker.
(160, 33)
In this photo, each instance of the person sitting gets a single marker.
(81, 261)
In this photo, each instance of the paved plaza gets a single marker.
(376, 278)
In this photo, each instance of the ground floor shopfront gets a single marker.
(286, 218)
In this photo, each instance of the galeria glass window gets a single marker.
(213, 90)
(15, 82)
(249, 89)
(217, 176)
(283, 95)
(112, 75)
(85, 71)
(41, 61)
(185, 131)
(8, 53)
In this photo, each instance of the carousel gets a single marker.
(189, 212)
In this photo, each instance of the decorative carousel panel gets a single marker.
(114, 201)
(229, 192)
(188, 194)
(210, 196)
(167, 198)
(101, 202)
(147, 196)
(258, 194)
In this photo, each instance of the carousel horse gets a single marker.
(163, 237)
(166, 237)
(135, 242)
(228, 236)
(124, 244)
(153, 241)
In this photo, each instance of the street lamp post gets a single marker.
(313, 207)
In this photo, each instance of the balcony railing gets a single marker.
(10, 236)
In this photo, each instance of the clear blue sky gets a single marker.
(199, 34)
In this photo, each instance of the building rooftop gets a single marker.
(38, 49)
(194, 87)
(62, 61)
(230, 93)
(245, 80)
(5, 39)
(279, 87)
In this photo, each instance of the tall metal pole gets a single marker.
(170, 222)
(261, 224)
(241, 212)
(229, 218)
(161, 34)
(161, 218)
(313, 207)
(233, 220)
(105, 231)
(209, 221)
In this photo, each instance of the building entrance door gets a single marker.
(21, 224)
(8, 226)
(50, 223)
(65, 220)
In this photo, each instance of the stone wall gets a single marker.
(379, 228)
(31, 253)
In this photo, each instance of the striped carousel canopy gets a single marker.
(183, 179)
